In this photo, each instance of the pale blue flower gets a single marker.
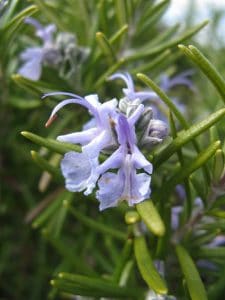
(130, 92)
(80, 169)
(34, 57)
(73, 55)
(126, 184)
(32, 67)
(167, 83)
(98, 137)
(45, 33)
(126, 173)
(59, 51)
(218, 241)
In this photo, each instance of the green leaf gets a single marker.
(51, 209)
(73, 289)
(192, 277)
(46, 166)
(5, 17)
(166, 35)
(60, 217)
(158, 49)
(146, 266)
(217, 213)
(216, 291)
(153, 63)
(106, 47)
(216, 225)
(94, 287)
(207, 68)
(123, 259)
(120, 12)
(151, 15)
(153, 9)
(218, 165)
(50, 144)
(176, 112)
(151, 217)
(93, 224)
(188, 203)
(11, 28)
(35, 87)
(68, 254)
(126, 273)
(187, 135)
(51, 14)
(24, 104)
(190, 167)
(117, 36)
(164, 98)
(202, 239)
(108, 72)
(210, 253)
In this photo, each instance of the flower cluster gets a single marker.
(158, 107)
(117, 129)
(61, 51)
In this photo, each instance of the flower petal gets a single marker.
(79, 172)
(110, 189)
(46, 33)
(126, 77)
(93, 100)
(89, 124)
(113, 162)
(140, 162)
(70, 101)
(99, 142)
(31, 69)
(140, 188)
(82, 137)
(143, 96)
(136, 114)
(32, 53)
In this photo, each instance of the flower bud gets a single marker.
(128, 107)
(155, 133)
(145, 118)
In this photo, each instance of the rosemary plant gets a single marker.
(123, 194)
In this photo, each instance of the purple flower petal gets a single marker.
(135, 116)
(31, 69)
(113, 162)
(32, 66)
(82, 137)
(79, 100)
(32, 53)
(140, 188)
(181, 79)
(89, 124)
(140, 162)
(46, 34)
(110, 189)
(125, 77)
(79, 172)
(129, 92)
(99, 142)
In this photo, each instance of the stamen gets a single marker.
(50, 120)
